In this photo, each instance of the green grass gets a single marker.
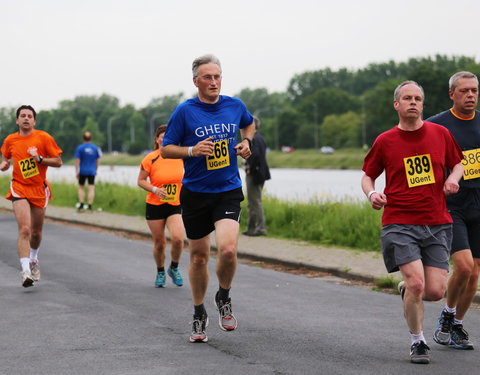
(349, 225)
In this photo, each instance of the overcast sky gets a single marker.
(137, 50)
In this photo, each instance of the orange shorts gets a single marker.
(36, 195)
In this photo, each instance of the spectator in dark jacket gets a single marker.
(257, 172)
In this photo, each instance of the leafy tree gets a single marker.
(97, 136)
(342, 130)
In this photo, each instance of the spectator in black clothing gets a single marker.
(257, 172)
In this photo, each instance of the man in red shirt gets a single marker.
(31, 152)
(416, 226)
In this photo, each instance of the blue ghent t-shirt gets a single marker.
(193, 121)
(88, 153)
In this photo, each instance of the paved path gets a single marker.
(366, 266)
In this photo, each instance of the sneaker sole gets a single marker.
(220, 319)
(421, 360)
(199, 340)
(459, 347)
(28, 283)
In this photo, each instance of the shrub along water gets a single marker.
(345, 224)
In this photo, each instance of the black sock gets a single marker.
(89, 206)
(160, 269)
(81, 205)
(222, 294)
(199, 310)
(173, 265)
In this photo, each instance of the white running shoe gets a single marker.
(35, 270)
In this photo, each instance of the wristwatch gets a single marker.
(40, 159)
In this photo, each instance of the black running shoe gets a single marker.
(459, 338)
(419, 353)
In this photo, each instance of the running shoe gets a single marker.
(27, 279)
(160, 280)
(442, 332)
(401, 288)
(200, 323)
(174, 273)
(226, 319)
(419, 353)
(35, 270)
(459, 338)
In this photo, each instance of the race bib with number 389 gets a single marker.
(419, 170)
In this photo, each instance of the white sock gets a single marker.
(34, 254)
(25, 262)
(457, 321)
(451, 310)
(419, 337)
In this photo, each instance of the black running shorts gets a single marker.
(466, 230)
(202, 210)
(89, 178)
(161, 211)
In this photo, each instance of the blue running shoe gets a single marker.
(442, 332)
(174, 273)
(160, 280)
(459, 338)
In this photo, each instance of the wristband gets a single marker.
(40, 159)
(190, 151)
(154, 189)
(369, 195)
(249, 142)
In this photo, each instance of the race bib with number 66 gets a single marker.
(220, 157)
(419, 170)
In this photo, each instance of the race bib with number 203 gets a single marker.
(419, 170)
(172, 193)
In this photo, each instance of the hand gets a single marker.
(450, 186)
(4, 165)
(378, 200)
(243, 149)
(32, 151)
(203, 148)
(159, 192)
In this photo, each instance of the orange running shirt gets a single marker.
(25, 170)
(166, 173)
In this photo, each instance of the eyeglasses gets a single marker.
(216, 77)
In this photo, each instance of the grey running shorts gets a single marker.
(405, 243)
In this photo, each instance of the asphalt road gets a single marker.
(95, 311)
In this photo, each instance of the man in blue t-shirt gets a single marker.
(87, 156)
(203, 131)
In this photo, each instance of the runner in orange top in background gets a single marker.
(31, 152)
(162, 178)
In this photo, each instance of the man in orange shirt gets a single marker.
(31, 152)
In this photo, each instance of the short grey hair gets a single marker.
(205, 59)
(452, 82)
(396, 93)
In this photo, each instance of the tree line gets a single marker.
(342, 108)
